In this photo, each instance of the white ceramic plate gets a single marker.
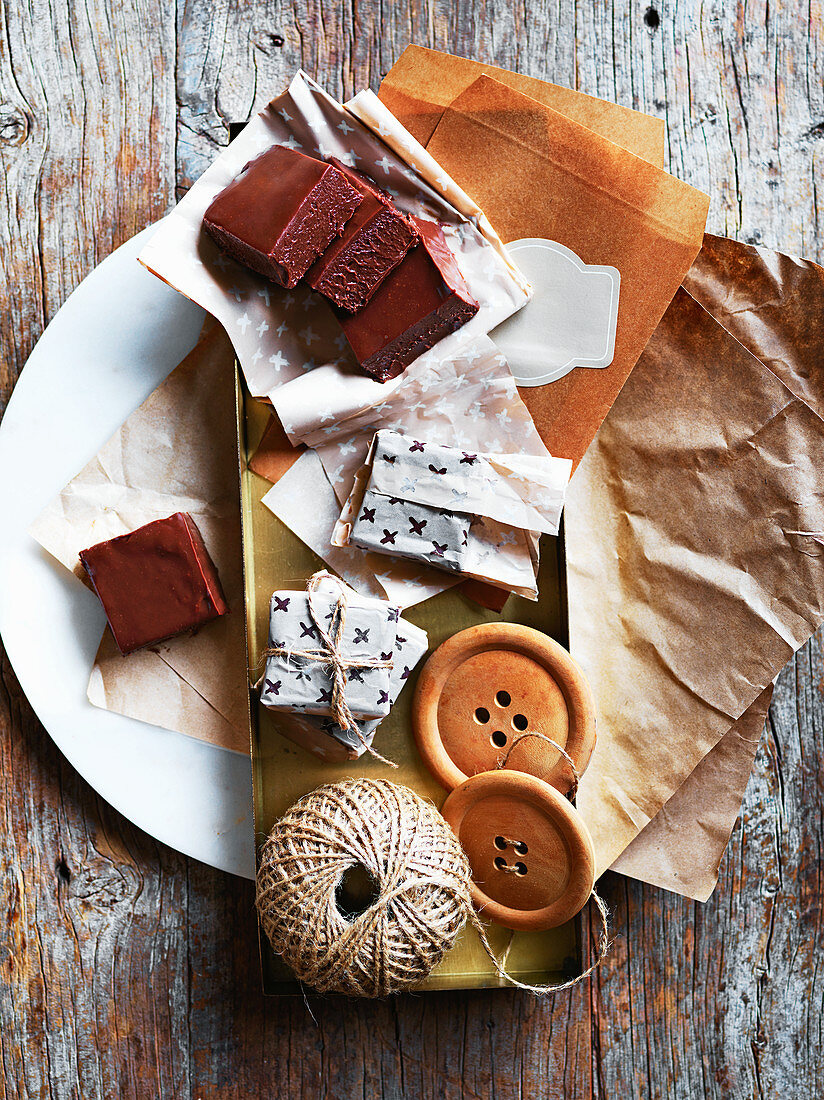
(112, 343)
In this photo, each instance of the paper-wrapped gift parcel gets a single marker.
(299, 674)
(478, 515)
(334, 743)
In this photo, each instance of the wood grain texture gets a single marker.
(130, 971)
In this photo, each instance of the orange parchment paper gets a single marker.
(539, 173)
(422, 83)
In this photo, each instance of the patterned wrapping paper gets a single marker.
(477, 408)
(292, 682)
(479, 515)
(325, 738)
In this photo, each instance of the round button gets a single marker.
(533, 866)
(486, 686)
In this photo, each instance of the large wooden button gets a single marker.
(488, 684)
(533, 865)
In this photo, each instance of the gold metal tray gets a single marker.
(282, 772)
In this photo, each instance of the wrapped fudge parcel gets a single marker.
(333, 743)
(307, 628)
(477, 515)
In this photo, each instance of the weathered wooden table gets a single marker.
(130, 971)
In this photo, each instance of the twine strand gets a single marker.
(576, 778)
(604, 942)
(331, 656)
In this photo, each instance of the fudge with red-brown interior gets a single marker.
(424, 299)
(281, 212)
(374, 241)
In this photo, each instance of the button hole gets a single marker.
(520, 722)
(500, 862)
(482, 715)
(500, 843)
(520, 847)
(503, 698)
(520, 868)
(498, 738)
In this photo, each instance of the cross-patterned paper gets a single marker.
(479, 515)
(292, 682)
(325, 738)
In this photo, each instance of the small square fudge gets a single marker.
(374, 241)
(281, 213)
(423, 300)
(155, 582)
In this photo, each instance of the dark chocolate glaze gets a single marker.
(374, 241)
(424, 299)
(155, 582)
(281, 212)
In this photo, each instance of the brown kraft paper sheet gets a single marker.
(422, 83)
(694, 532)
(774, 304)
(537, 173)
(682, 847)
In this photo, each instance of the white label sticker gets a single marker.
(571, 319)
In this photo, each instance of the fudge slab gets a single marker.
(424, 299)
(374, 241)
(281, 212)
(155, 582)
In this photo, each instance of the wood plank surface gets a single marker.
(131, 971)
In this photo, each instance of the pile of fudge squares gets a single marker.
(391, 278)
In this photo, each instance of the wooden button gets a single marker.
(532, 860)
(488, 684)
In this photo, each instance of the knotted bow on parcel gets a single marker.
(330, 652)
(479, 515)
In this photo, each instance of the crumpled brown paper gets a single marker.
(774, 304)
(682, 847)
(694, 526)
(176, 452)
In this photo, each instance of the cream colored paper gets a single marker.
(176, 452)
(515, 496)
(693, 526)
(477, 407)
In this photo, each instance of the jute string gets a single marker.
(331, 656)
(422, 879)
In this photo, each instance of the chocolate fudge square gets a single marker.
(374, 241)
(424, 299)
(155, 582)
(281, 212)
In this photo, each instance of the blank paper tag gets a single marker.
(571, 319)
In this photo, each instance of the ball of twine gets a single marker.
(420, 874)
(422, 881)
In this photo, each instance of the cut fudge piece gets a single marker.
(424, 299)
(281, 212)
(375, 240)
(155, 582)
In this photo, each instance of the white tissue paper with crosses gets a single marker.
(478, 515)
(333, 743)
(364, 631)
